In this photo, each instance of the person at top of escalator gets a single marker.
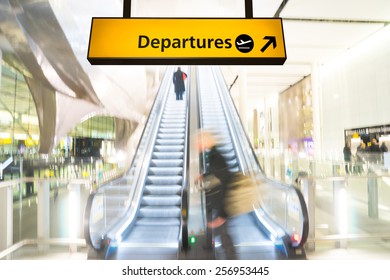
(178, 80)
(217, 168)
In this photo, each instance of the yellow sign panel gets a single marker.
(186, 41)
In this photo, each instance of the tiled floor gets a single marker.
(371, 251)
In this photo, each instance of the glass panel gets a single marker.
(284, 207)
(350, 209)
(53, 215)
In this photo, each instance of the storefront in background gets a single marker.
(366, 134)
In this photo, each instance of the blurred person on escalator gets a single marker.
(178, 81)
(216, 179)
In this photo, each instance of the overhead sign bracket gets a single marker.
(127, 8)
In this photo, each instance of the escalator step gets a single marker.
(232, 162)
(169, 155)
(166, 162)
(172, 121)
(161, 200)
(160, 212)
(164, 180)
(165, 171)
(174, 115)
(170, 136)
(162, 189)
(170, 125)
(168, 148)
(230, 155)
(158, 222)
(225, 148)
(172, 130)
(170, 142)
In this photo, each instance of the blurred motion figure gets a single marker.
(217, 177)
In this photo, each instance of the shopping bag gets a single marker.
(241, 195)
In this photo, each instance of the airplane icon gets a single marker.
(243, 42)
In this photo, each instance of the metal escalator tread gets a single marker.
(159, 217)
(166, 162)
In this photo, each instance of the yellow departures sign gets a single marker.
(149, 41)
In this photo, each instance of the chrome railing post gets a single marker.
(372, 192)
(307, 186)
(6, 215)
(43, 214)
(340, 210)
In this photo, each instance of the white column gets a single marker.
(157, 76)
(43, 212)
(1, 63)
(6, 204)
(6, 218)
(74, 215)
(243, 96)
(267, 136)
(317, 109)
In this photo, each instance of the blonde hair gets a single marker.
(205, 139)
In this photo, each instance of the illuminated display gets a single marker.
(190, 41)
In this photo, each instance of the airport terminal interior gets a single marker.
(101, 161)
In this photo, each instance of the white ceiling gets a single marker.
(315, 31)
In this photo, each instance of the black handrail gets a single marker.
(208, 242)
(203, 161)
(185, 193)
(87, 214)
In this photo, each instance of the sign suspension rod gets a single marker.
(248, 8)
(127, 8)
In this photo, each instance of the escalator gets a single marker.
(150, 212)
(157, 227)
(213, 117)
(256, 235)
(152, 189)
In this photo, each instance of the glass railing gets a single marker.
(95, 169)
(49, 222)
(286, 167)
(283, 209)
(348, 211)
(42, 217)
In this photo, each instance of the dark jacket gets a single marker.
(347, 153)
(217, 165)
(374, 148)
(178, 81)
